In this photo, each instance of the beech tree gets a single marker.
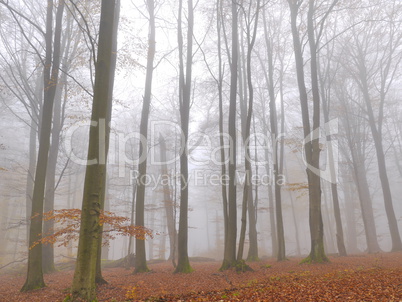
(94, 187)
(50, 77)
(273, 118)
(374, 80)
(325, 79)
(311, 133)
(355, 153)
(251, 19)
(140, 254)
(185, 71)
(168, 202)
(229, 257)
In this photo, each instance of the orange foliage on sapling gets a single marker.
(69, 220)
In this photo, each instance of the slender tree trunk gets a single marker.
(130, 249)
(247, 195)
(311, 145)
(33, 131)
(33, 136)
(349, 197)
(168, 200)
(221, 131)
(229, 258)
(317, 253)
(292, 203)
(94, 186)
(183, 265)
(269, 76)
(140, 253)
(334, 181)
(366, 207)
(98, 277)
(48, 250)
(382, 168)
(271, 205)
(360, 179)
(67, 51)
(51, 70)
(151, 217)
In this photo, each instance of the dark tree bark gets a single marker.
(48, 251)
(311, 146)
(168, 201)
(331, 160)
(98, 277)
(183, 265)
(251, 33)
(229, 257)
(58, 117)
(94, 186)
(130, 249)
(51, 71)
(140, 253)
(269, 77)
(221, 131)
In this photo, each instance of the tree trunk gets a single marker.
(183, 265)
(48, 250)
(33, 131)
(360, 179)
(94, 186)
(221, 132)
(269, 77)
(130, 249)
(98, 277)
(334, 181)
(229, 257)
(271, 205)
(51, 70)
(311, 145)
(349, 197)
(382, 168)
(366, 206)
(168, 200)
(140, 253)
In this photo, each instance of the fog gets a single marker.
(359, 76)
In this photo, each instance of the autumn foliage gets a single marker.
(373, 277)
(67, 223)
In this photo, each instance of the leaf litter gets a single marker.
(375, 277)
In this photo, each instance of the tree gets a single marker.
(50, 78)
(269, 77)
(68, 51)
(311, 134)
(381, 75)
(229, 257)
(99, 278)
(94, 186)
(325, 90)
(168, 201)
(25, 87)
(183, 264)
(251, 20)
(140, 254)
(355, 133)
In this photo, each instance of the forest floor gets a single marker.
(376, 277)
